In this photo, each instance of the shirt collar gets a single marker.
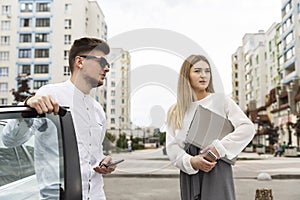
(76, 91)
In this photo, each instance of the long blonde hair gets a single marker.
(185, 93)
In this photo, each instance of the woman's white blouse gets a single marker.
(229, 146)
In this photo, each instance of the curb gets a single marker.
(141, 175)
(286, 176)
(277, 176)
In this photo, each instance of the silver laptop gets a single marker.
(206, 126)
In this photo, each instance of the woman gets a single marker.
(200, 178)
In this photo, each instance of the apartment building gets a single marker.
(36, 36)
(248, 76)
(290, 13)
(273, 98)
(118, 92)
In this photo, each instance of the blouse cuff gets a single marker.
(220, 148)
(187, 164)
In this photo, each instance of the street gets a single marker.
(123, 188)
(148, 174)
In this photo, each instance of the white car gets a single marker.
(38, 155)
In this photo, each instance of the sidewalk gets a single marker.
(153, 163)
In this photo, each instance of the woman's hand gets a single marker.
(213, 149)
(198, 162)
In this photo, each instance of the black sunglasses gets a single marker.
(101, 60)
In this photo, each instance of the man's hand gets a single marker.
(105, 170)
(43, 104)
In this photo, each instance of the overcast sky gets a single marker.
(218, 26)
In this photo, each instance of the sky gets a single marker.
(217, 26)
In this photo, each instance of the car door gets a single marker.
(38, 155)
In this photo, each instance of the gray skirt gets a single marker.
(215, 185)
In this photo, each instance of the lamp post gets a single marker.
(120, 118)
(144, 139)
(131, 136)
(288, 127)
(257, 128)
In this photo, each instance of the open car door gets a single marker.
(38, 155)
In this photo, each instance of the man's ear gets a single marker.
(78, 62)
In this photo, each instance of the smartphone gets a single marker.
(210, 156)
(113, 163)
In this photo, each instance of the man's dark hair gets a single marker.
(84, 46)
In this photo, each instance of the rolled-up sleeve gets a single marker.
(234, 143)
(16, 132)
(176, 153)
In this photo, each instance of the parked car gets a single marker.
(38, 155)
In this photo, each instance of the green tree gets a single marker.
(108, 142)
(162, 138)
(137, 143)
(121, 141)
(23, 90)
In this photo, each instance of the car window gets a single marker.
(31, 155)
(15, 162)
(38, 155)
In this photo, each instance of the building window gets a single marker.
(41, 69)
(6, 10)
(42, 37)
(3, 71)
(257, 59)
(112, 121)
(41, 53)
(26, 7)
(67, 71)
(289, 38)
(68, 7)
(66, 55)
(113, 74)
(4, 55)
(112, 111)
(42, 22)
(68, 24)
(24, 69)
(3, 87)
(5, 25)
(113, 102)
(112, 93)
(38, 84)
(113, 84)
(25, 22)
(5, 40)
(43, 7)
(3, 101)
(25, 38)
(289, 54)
(68, 39)
(25, 53)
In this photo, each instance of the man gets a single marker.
(88, 69)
